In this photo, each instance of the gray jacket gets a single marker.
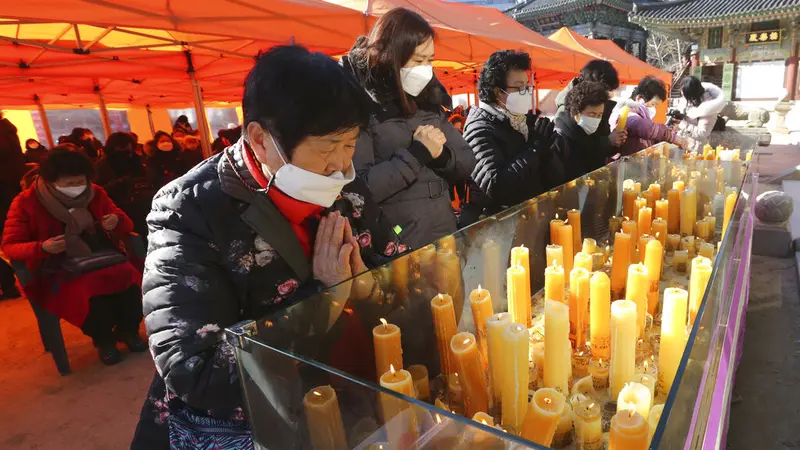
(411, 186)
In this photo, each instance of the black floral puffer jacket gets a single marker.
(214, 259)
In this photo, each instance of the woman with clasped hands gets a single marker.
(410, 154)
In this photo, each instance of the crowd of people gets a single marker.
(297, 199)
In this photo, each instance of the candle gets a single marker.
(554, 283)
(703, 229)
(598, 370)
(698, 281)
(555, 224)
(649, 381)
(636, 397)
(679, 185)
(628, 431)
(673, 243)
(481, 303)
(652, 421)
(730, 204)
(623, 344)
(401, 382)
(679, 261)
(419, 375)
(687, 243)
(627, 184)
(643, 240)
(515, 375)
(712, 224)
(543, 415)
(638, 204)
(636, 291)
(598, 261)
(388, 350)
(324, 419)
(673, 338)
(400, 276)
(645, 221)
(554, 255)
(520, 256)
(688, 211)
(583, 261)
(614, 225)
(620, 263)
(538, 359)
(628, 202)
(448, 243)
(578, 305)
(588, 426)
(659, 230)
(494, 329)
(444, 319)
(455, 393)
(629, 227)
(574, 219)
(580, 362)
(674, 211)
(470, 371)
(584, 386)
(563, 435)
(653, 260)
(600, 309)
(492, 269)
(637, 187)
(589, 246)
(556, 343)
(662, 209)
(448, 277)
(707, 250)
(427, 260)
(565, 240)
(655, 190)
(519, 294)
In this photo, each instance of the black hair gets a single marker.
(63, 162)
(28, 142)
(495, 70)
(649, 88)
(585, 94)
(182, 119)
(600, 71)
(77, 134)
(285, 89)
(692, 90)
(118, 141)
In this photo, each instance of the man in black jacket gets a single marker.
(512, 146)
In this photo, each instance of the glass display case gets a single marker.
(359, 366)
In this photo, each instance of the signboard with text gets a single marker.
(764, 37)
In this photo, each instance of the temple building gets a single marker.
(596, 19)
(747, 47)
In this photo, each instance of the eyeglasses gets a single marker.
(524, 90)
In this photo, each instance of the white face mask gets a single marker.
(71, 191)
(589, 124)
(415, 79)
(519, 104)
(309, 187)
(165, 146)
(652, 110)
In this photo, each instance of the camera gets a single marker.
(674, 116)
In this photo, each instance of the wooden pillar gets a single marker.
(150, 120)
(101, 102)
(199, 106)
(45, 122)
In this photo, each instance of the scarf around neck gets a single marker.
(73, 212)
(519, 122)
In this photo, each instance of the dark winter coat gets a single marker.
(218, 255)
(580, 152)
(411, 186)
(123, 176)
(509, 169)
(163, 167)
(12, 166)
(604, 130)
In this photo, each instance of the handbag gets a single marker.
(79, 265)
(189, 431)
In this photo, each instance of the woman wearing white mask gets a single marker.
(410, 154)
(512, 146)
(167, 162)
(579, 147)
(273, 219)
(60, 219)
(642, 131)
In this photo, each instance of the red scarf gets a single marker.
(296, 212)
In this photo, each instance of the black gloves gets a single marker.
(541, 131)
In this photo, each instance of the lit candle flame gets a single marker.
(384, 322)
(547, 400)
(391, 369)
(591, 405)
(556, 216)
(479, 287)
(645, 365)
(317, 393)
(440, 297)
(645, 379)
(483, 421)
(466, 341)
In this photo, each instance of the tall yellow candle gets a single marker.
(628, 431)
(730, 204)
(707, 250)
(574, 219)
(674, 211)
(703, 228)
(401, 382)
(583, 261)
(673, 338)
(659, 230)
(557, 361)
(324, 419)
(635, 396)
(494, 329)
(554, 255)
(614, 225)
(578, 305)
(427, 260)
(448, 243)
(698, 281)
(688, 211)
(521, 256)
(554, 284)
(555, 224)
(481, 303)
(519, 295)
(643, 240)
(492, 269)
(679, 185)
(673, 243)
(422, 387)
(444, 320)
(515, 374)
(448, 277)
(543, 415)
(620, 263)
(623, 344)
(388, 350)
(645, 220)
(588, 426)
(589, 246)
(636, 291)
(470, 369)
(655, 191)
(628, 202)
(565, 240)
(629, 227)
(652, 421)
(662, 209)
(400, 276)
(653, 259)
(640, 203)
(600, 309)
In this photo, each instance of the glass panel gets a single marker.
(190, 113)
(332, 334)
(119, 120)
(221, 118)
(63, 121)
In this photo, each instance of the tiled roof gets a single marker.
(709, 11)
(535, 7)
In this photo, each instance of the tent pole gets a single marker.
(535, 99)
(101, 101)
(45, 122)
(199, 106)
(150, 120)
